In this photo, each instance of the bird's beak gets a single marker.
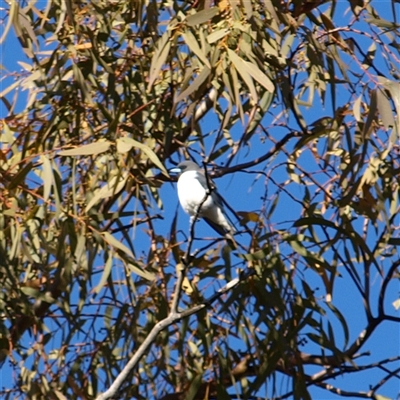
(175, 170)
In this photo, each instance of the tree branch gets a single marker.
(160, 326)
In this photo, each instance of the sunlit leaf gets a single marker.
(159, 58)
(194, 46)
(217, 35)
(259, 76)
(202, 16)
(385, 110)
(197, 82)
(114, 186)
(380, 397)
(110, 239)
(47, 177)
(357, 109)
(141, 272)
(14, 6)
(371, 114)
(105, 275)
(396, 304)
(241, 68)
(88, 149)
(132, 143)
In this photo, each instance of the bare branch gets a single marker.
(159, 327)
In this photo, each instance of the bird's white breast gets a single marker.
(191, 194)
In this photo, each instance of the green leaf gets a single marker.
(385, 109)
(9, 139)
(236, 87)
(105, 274)
(394, 203)
(357, 109)
(248, 8)
(327, 22)
(371, 114)
(194, 46)
(257, 255)
(343, 321)
(116, 244)
(16, 240)
(381, 23)
(138, 271)
(394, 90)
(88, 150)
(128, 143)
(217, 35)
(202, 16)
(159, 58)
(47, 177)
(115, 185)
(83, 85)
(286, 46)
(194, 387)
(111, 240)
(12, 14)
(198, 81)
(259, 76)
(241, 68)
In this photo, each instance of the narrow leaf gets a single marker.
(159, 58)
(115, 185)
(236, 86)
(111, 240)
(259, 76)
(248, 8)
(10, 88)
(371, 114)
(241, 68)
(202, 16)
(357, 109)
(217, 35)
(80, 79)
(146, 149)
(385, 110)
(144, 274)
(105, 275)
(14, 5)
(198, 81)
(195, 48)
(88, 150)
(47, 177)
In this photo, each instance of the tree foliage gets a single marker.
(304, 103)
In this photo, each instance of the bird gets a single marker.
(196, 190)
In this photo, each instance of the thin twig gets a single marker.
(160, 326)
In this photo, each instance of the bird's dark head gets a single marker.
(185, 166)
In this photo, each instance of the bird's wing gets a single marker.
(223, 232)
(217, 227)
(203, 180)
(219, 201)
